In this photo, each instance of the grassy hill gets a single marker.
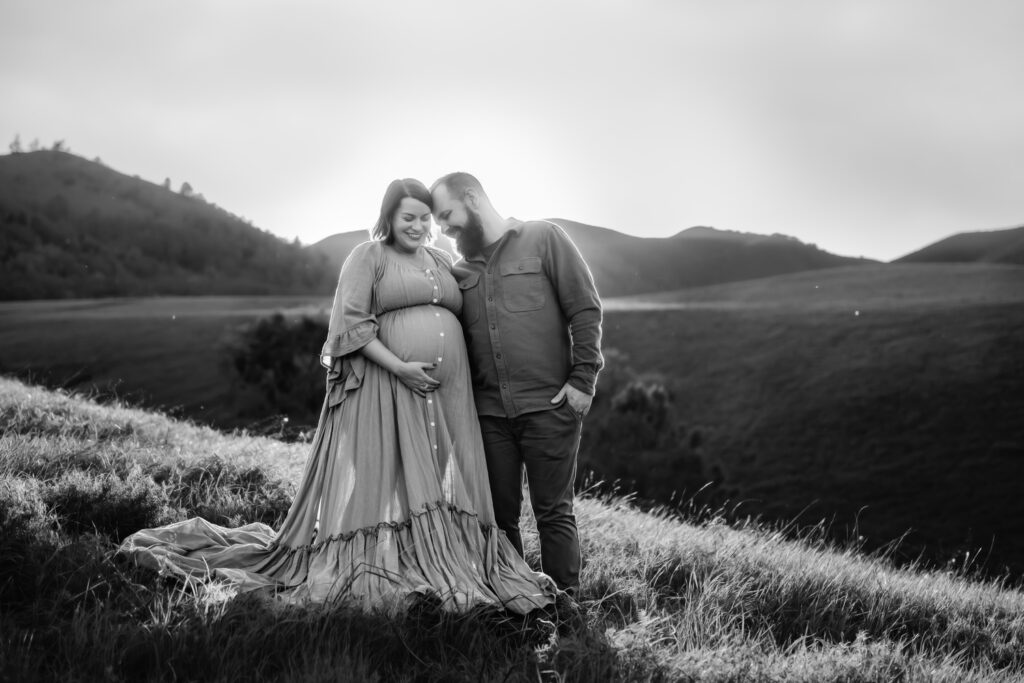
(662, 598)
(73, 228)
(623, 265)
(887, 398)
(991, 246)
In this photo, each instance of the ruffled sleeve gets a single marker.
(353, 324)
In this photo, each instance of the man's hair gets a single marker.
(457, 183)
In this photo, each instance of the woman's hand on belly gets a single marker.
(413, 374)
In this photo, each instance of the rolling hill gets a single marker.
(990, 246)
(623, 265)
(72, 228)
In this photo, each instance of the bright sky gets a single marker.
(868, 127)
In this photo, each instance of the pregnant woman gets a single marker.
(394, 500)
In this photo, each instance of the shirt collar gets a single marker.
(513, 225)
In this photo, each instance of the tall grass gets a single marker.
(663, 597)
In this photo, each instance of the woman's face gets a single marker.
(410, 226)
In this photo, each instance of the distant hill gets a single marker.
(70, 228)
(992, 246)
(624, 265)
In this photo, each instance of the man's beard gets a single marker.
(469, 240)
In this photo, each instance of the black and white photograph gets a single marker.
(563, 341)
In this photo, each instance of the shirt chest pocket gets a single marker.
(522, 284)
(471, 303)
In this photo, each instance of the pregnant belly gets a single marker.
(430, 334)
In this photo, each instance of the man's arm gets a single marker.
(581, 305)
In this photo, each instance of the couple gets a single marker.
(408, 489)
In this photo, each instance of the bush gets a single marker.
(280, 358)
(633, 439)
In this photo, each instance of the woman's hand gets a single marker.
(413, 374)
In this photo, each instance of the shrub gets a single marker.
(279, 357)
(635, 438)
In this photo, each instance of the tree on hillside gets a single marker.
(279, 357)
(186, 190)
(636, 440)
(15, 145)
(167, 183)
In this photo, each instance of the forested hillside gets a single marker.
(70, 227)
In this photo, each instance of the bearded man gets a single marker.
(532, 319)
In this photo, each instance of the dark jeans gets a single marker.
(546, 443)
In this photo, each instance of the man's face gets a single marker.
(458, 222)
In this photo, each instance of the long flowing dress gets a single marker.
(394, 500)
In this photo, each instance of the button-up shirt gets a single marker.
(532, 319)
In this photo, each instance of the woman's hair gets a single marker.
(393, 196)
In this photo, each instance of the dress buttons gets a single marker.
(439, 359)
(442, 334)
(498, 356)
(434, 300)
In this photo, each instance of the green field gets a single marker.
(885, 399)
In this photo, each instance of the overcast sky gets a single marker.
(868, 127)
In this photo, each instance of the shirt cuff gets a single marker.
(583, 379)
